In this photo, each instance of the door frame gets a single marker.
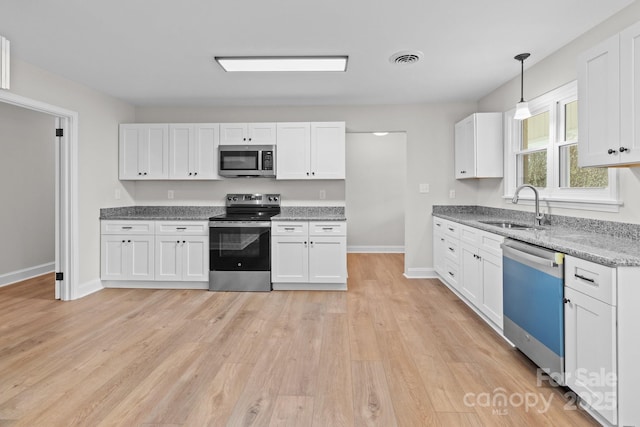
(66, 190)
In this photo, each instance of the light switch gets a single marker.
(423, 188)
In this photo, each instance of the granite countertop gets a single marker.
(604, 242)
(203, 213)
(310, 213)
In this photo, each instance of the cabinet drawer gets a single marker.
(452, 229)
(597, 281)
(451, 273)
(491, 242)
(127, 227)
(331, 228)
(451, 249)
(191, 228)
(468, 234)
(287, 228)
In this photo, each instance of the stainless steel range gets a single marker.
(240, 243)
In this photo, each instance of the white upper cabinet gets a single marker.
(311, 150)
(478, 146)
(193, 151)
(144, 151)
(608, 97)
(247, 133)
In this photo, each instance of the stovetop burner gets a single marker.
(250, 207)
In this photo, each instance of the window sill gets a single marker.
(585, 205)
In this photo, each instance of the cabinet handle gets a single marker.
(463, 171)
(438, 225)
(289, 229)
(307, 173)
(177, 241)
(441, 239)
(139, 173)
(611, 151)
(313, 173)
(195, 173)
(451, 249)
(128, 241)
(181, 228)
(327, 228)
(566, 300)
(127, 228)
(184, 241)
(452, 229)
(190, 174)
(451, 274)
(249, 139)
(623, 149)
(305, 243)
(124, 241)
(244, 139)
(144, 173)
(586, 279)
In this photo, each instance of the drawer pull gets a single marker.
(438, 225)
(451, 274)
(327, 228)
(452, 229)
(127, 228)
(289, 228)
(181, 228)
(452, 250)
(584, 278)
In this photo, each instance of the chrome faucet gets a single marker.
(539, 216)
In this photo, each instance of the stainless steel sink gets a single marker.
(511, 225)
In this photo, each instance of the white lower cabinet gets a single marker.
(171, 252)
(309, 255)
(469, 261)
(182, 251)
(590, 317)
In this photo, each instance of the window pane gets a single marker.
(571, 121)
(532, 169)
(535, 131)
(573, 176)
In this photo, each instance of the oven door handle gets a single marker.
(236, 224)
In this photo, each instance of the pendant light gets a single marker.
(522, 107)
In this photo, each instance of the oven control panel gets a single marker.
(253, 199)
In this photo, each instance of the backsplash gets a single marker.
(611, 228)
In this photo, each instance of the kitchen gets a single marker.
(429, 160)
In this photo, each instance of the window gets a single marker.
(543, 151)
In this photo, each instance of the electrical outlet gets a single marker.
(118, 194)
(323, 194)
(423, 188)
(170, 194)
(452, 194)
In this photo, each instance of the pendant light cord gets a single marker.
(522, 80)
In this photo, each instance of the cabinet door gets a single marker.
(470, 277)
(590, 351)
(195, 259)
(113, 260)
(289, 259)
(233, 133)
(438, 252)
(328, 150)
(630, 95)
(327, 260)
(293, 157)
(130, 136)
(491, 277)
(181, 143)
(204, 160)
(465, 165)
(153, 152)
(599, 104)
(262, 133)
(168, 263)
(140, 251)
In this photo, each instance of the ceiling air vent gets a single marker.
(406, 57)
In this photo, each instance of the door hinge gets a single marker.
(59, 276)
(59, 132)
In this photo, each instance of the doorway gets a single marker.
(64, 135)
(375, 191)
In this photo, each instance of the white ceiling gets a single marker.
(160, 52)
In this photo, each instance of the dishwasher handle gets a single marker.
(534, 259)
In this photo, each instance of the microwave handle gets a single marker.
(259, 160)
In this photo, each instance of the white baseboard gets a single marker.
(26, 273)
(376, 249)
(309, 286)
(152, 284)
(88, 288)
(421, 273)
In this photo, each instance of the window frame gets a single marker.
(598, 199)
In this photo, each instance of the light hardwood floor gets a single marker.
(389, 352)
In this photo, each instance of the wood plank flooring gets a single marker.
(389, 352)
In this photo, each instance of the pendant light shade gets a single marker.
(522, 107)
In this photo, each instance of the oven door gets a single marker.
(239, 246)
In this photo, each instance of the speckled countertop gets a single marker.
(203, 213)
(310, 213)
(604, 242)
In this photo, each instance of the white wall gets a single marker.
(98, 119)
(429, 130)
(27, 168)
(548, 74)
(375, 191)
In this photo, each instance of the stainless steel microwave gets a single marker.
(247, 160)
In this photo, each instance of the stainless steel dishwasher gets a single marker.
(533, 292)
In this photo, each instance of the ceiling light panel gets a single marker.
(282, 63)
